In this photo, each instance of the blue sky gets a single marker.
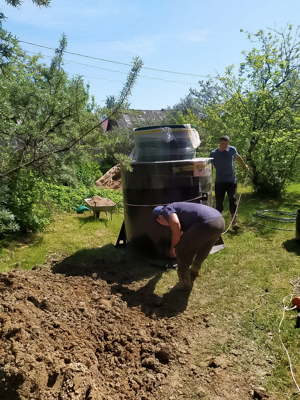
(191, 37)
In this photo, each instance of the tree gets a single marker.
(44, 115)
(188, 103)
(259, 108)
(47, 125)
(121, 140)
(18, 3)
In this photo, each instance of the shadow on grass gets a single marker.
(292, 246)
(87, 219)
(133, 278)
(18, 239)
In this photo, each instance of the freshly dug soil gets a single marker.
(111, 179)
(100, 201)
(75, 337)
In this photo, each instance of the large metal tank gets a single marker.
(154, 183)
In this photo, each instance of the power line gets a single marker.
(115, 62)
(120, 72)
(94, 77)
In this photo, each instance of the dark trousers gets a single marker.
(220, 190)
(196, 243)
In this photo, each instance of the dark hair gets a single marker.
(225, 138)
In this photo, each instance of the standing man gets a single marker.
(195, 228)
(225, 176)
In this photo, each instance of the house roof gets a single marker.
(131, 120)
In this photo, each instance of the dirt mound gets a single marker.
(71, 338)
(97, 201)
(74, 337)
(111, 179)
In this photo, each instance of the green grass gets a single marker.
(242, 286)
(259, 263)
(68, 234)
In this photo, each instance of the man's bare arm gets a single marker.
(242, 162)
(176, 232)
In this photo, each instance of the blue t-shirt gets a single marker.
(190, 213)
(223, 163)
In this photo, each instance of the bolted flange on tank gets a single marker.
(164, 170)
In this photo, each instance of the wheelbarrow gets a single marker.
(98, 209)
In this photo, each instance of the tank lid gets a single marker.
(145, 128)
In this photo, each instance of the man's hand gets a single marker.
(173, 252)
(242, 162)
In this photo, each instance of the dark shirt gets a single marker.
(223, 163)
(190, 213)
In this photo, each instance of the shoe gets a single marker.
(185, 281)
(235, 225)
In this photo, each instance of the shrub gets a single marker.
(26, 201)
(67, 198)
(7, 222)
(88, 173)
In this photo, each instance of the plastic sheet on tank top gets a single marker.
(164, 143)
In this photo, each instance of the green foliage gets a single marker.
(31, 202)
(49, 128)
(45, 117)
(119, 142)
(7, 222)
(26, 201)
(188, 105)
(259, 109)
(18, 3)
(189, 118)
(88, 173)
(106, 165)
(43, 114)
(66, 198)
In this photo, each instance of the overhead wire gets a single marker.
(117, 62)
(111, 70)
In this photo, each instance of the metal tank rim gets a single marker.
(172, 161)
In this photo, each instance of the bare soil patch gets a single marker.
(100, 334)
(111, 179)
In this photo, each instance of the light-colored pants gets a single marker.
(196, 243)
